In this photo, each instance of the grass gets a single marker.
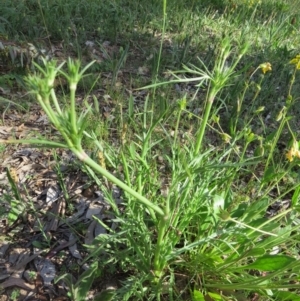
(201, 160)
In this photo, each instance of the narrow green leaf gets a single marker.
(36, 143)
(2, 99)
(13, 185)
(255, 252)
(295, 197)
(132, 150)
(107, 295)
(131, 107)
(85, 281)
(67, 278)
(270, 175)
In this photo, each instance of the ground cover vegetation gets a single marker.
(150, 150)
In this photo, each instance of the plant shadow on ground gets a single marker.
(184, 41)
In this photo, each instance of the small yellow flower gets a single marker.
(293, 152)
(290, 155)
(265, 67)
(296, 61)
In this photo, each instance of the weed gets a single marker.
(32, 275)
(15, 294)
(79, 290)
(196, 219)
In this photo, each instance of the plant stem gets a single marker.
(210, 100)
(158, 262)
(161, 42)
(73, 86)
(80, 153)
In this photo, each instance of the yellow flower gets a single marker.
(293, 152)
(290, 155)
(296, 61)
(265, 67)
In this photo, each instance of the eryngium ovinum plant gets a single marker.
(195, 237)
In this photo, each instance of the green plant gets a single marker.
(15, 294)
(79, 290)
(17, 206)
(208, 222)
(2, 148)
(115, 61)
(18, 209)
(196, 193)
(32, 275)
